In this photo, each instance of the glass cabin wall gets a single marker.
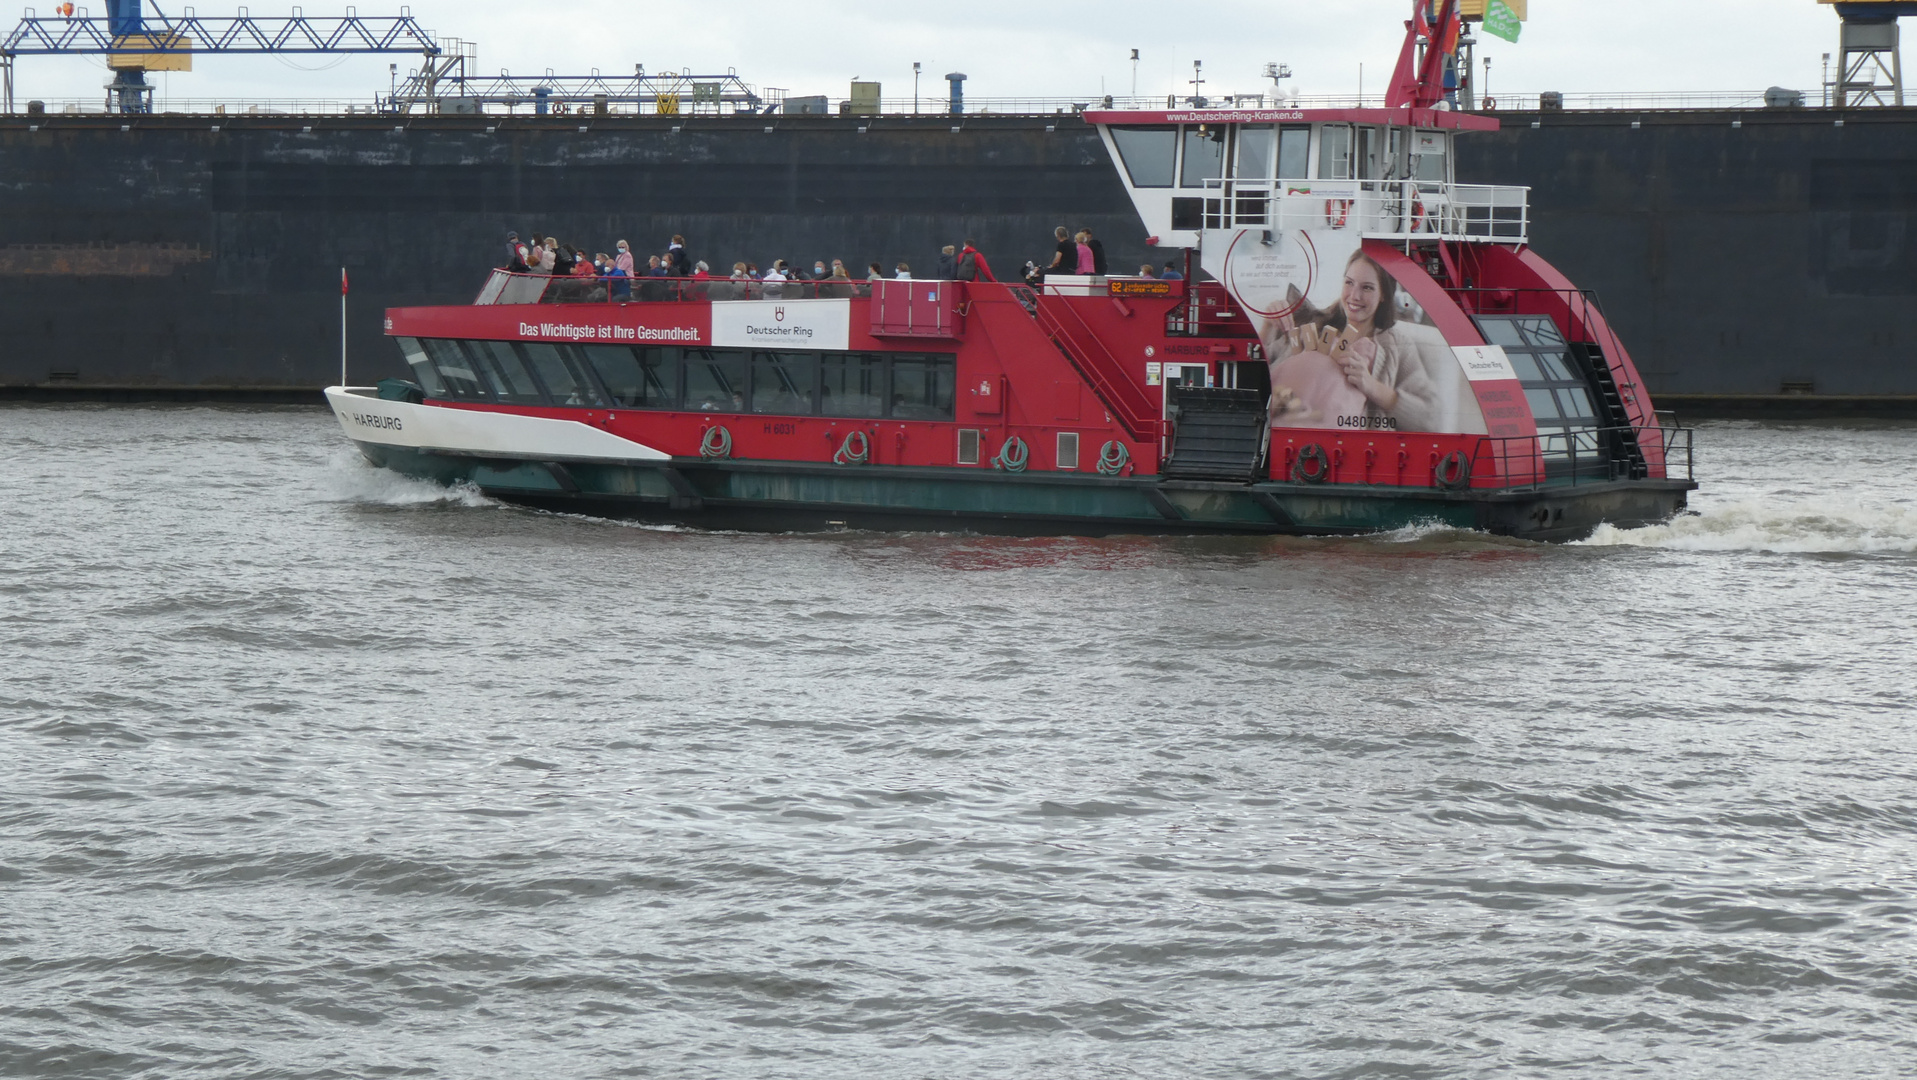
(1257, 145)
(1334, 152)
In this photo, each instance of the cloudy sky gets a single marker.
(1064, 48)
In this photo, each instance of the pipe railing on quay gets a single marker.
(927, 108)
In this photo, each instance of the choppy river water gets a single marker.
(311, 771)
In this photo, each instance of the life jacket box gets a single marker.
(916, 309)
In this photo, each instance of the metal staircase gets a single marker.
(1115, 386)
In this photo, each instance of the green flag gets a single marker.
(1499, 19)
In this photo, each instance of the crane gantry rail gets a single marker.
(130, 35)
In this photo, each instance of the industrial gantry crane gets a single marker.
(136, 41)
(1869, 68)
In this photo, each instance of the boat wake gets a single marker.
(1799, 526)
(352, 479)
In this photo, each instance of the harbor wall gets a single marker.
(172, 255)
(1751, 252)
(1753, 255)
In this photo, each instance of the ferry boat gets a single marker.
(1357, 343)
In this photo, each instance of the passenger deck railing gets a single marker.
(506, 287)
(1397, 210)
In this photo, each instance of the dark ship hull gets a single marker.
(1755, 260)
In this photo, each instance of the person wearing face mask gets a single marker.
(623, 260)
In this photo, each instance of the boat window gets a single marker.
(638, 378)
(923, 388)
(1541, 331)
(1256, 143)
(715, 380)
(1503, 332)
(1427, 156)
(422, 365)
(1526, 365)
(1204, 155)
(1556, 389)
(1149, 154)
(1576, 401)
(1555, 366)
(499, 365)
(1368, 147)
(782, 382)
(455, 369)
(1334, 152)
(1294, 153)
(852, 385)
(565, 382)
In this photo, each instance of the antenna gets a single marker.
(1197, 84)
(1277, 72)
(1134, 72)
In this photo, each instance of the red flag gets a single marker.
(342, 281)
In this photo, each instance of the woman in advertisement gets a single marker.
(1351, 366)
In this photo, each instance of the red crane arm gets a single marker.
(1419, 84)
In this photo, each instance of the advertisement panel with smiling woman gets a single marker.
(1351, 366)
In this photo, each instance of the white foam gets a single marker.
(351, 478)
(1419, 530)
(1785, 525)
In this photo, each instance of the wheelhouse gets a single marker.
(1388, 173)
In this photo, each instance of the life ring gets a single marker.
(849, 456)
(1417, 212)
(715, 443)
(1013, 456)
(1337, 212)
(1452, 472)
(1113, 457)
(1313, 465)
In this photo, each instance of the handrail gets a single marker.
(1574, 456)
(508, 287)
(1396, 210)
(1127, 401)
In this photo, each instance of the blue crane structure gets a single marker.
(130, 32)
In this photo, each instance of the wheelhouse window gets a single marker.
(1256, 145)
(1149, 153)
(1334, 152)
(1428, 154)
(1294, 153)
(1204, 155)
